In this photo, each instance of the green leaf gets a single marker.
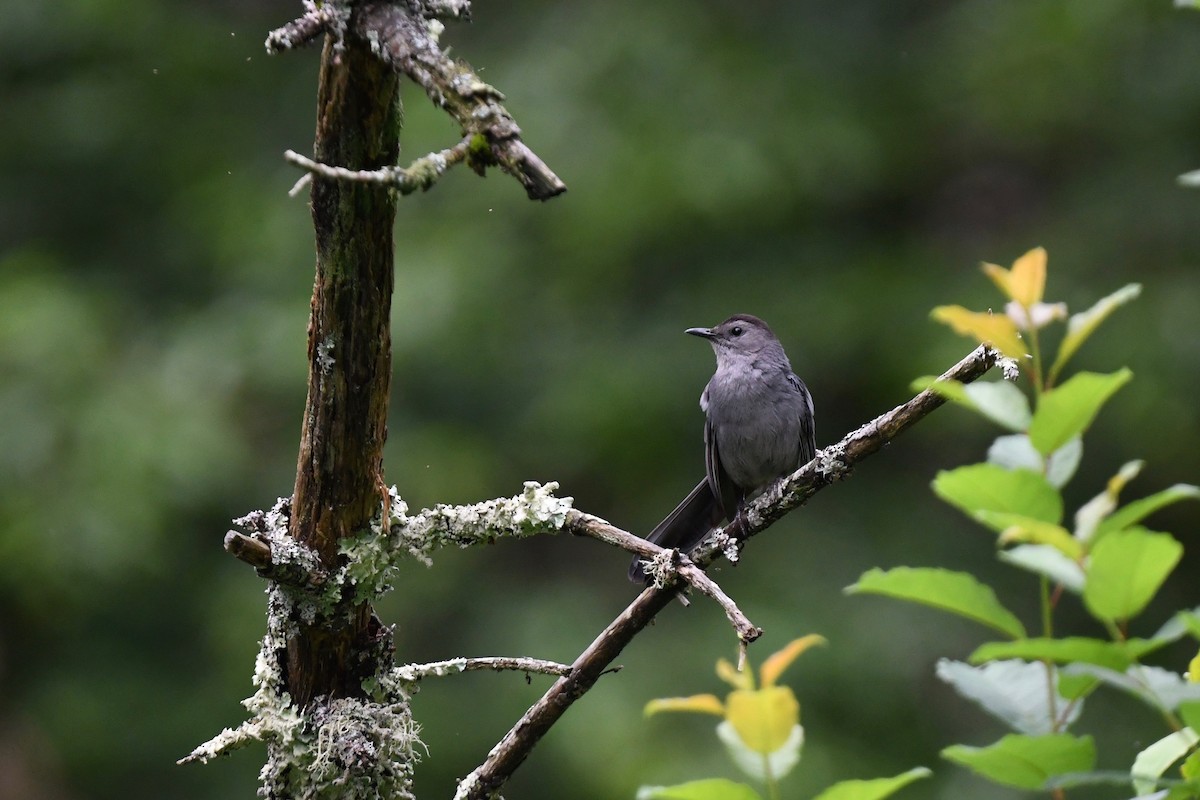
(1019, 528)
(1140, 509)
(1158, 688)
(1094, 511)
(711, 789)
(1190, 768)
(1152, 762)
(1076, 687)
(1000, 401)
(1127, 568)
(1189, 713)
(1042, 559)
(876, 789)
(1062, 463)
(1015, 451)
(1013, 691)
(987, 487)
(957, 592)
(1026, 762)
(1066, 412)
(1185, 623)
(1064, 651)
(1080, 326)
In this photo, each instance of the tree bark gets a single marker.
(339, 481)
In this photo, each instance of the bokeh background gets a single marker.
(837, 168)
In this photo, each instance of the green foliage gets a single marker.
(761, 731)
(1026, 762)
(711, 789)
(875, 789)
(1066, 412)
(956, 592)
(985, 488)
(1038, 685)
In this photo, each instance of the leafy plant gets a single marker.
(761, 731)
(1103, 557)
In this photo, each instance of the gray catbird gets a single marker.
(758, 427)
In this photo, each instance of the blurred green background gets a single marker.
(837, 168)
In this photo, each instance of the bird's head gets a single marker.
(740, 334)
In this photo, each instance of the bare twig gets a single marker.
(420, 174)
(246, 548)
(831, 464)
(747, 631)
(415, 672)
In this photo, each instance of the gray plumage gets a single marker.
(758, 427)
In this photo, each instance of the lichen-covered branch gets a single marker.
(373, 557)
(411, 673)
(833, 463)
(405, 35)
(407, 43)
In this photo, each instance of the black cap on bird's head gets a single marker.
(740, 333)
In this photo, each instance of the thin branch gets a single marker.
(746, 630)
(406, 43)
(669, 564)
(421, 174)
(415, 672)
(301, 31)
(831, 464)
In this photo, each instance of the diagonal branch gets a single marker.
(832, 463)
(405, 36)
(404, 41)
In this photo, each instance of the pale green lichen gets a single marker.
(341, 748)
(372, 558)
(357, 747)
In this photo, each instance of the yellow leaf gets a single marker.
(1028, 277)
(1193, 673)
(763, 719)
(729, 673)
(995, 329)
(774, 666)
(699, 703)
(1033, 531)
(1001, 277)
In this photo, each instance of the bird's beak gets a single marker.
(705, 333)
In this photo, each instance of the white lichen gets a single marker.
(324, 355)
(1010, 368)
(831, 462)
(356, 747)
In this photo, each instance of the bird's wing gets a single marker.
(808, 433)
(722, 487)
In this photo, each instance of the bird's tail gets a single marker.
(684, 527)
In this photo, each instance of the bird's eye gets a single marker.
(736, 330)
